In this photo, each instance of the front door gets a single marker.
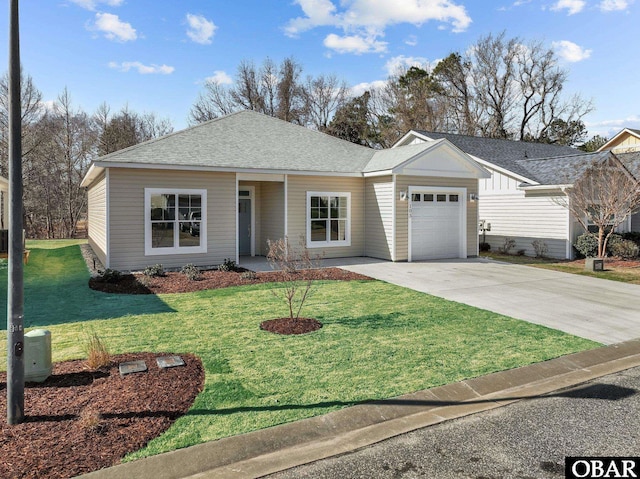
(244, 226)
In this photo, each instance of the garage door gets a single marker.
(436, 225)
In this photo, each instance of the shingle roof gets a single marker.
(503, 153)
(560, 170)
(248, 140)
(631, 161)
(253, 141)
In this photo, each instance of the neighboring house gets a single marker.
(626, 146)
(522, 199)
(628, 140)
(222, 189)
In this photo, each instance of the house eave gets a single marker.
(560, 187)
(99, 166)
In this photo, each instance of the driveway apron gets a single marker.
(598, 309)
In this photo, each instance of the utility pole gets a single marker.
(15, 303)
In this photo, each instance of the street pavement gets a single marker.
(527, 439)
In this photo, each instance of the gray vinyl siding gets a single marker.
(402, 210)
(272, 214)
(379, 217)
(297, 188)
(635, 222)
(97, 218)
(526, 218)
(127, 241)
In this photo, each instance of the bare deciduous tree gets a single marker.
(323, 96)
(603, 195)
(291, 261)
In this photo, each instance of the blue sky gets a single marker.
(155, 55)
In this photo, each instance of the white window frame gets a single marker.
(328, 243)
(177, 249)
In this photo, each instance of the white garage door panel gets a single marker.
(436, 230)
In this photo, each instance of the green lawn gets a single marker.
(378, 341)
(612, 272)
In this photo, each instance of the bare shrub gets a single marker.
(91, 420)
(540, 247)
(293, 289)
(97, 352)
(509, 244)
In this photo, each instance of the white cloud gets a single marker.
(412, 41)
(401, 62)
(114, 28)
(354, 44)
(142, 68)
(614, 5)
(93, 4)
(220, 77)
(609, 128)
(570, 52)
(572, 6)
(360, 88)
(365, 21)
(200, 29)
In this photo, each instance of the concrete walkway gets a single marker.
(282, 447)
(598, 309)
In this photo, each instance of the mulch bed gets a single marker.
(81, 420)
(614, 262)
(176, 282)
(291, 326)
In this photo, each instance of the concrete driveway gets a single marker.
(601, 310)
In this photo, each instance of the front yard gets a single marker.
(378, 341)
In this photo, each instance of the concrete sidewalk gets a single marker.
(278, 448)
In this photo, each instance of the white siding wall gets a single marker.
(97, 217)
(379, 217)
(127, 216)
(297, 188)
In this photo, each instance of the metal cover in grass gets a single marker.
(132, 367)
(169, 361)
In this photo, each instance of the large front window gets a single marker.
(328, 219)
(175, 221)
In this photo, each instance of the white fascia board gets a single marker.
(93, 172)
(544, 187)
(411, 134)
(222, 169)
(377, 173)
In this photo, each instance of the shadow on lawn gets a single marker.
(599, 391)
(56, 291)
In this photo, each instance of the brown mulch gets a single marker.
(176, 282)
(81, 420)
(614, 262)
(291, 326)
